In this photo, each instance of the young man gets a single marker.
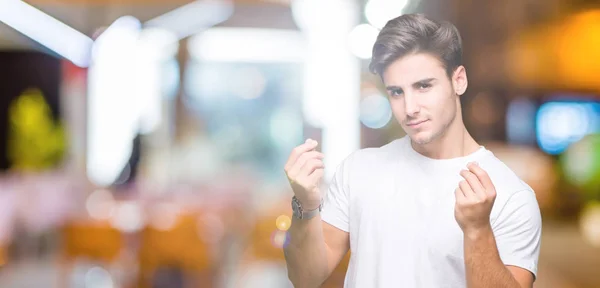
(432, 209)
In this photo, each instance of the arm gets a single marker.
(314, 250)
(315, 247)
(506, 256)
(483, 265)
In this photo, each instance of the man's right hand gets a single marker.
(316, 247)
(304, 170)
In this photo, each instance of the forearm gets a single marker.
(483, 265)
(306, 253)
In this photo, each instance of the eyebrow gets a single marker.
(423, 81)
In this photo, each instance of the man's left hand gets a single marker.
(474, 200)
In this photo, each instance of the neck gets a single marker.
(455, 142)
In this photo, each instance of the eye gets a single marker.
(423, 86)
(396, 92)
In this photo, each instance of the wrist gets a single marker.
(304, 212)
(309, 204)
(478, 233)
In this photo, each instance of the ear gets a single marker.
(459, 80)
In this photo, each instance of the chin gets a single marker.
(421, 138)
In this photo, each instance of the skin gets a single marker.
(425, 101)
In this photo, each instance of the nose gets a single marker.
(411, 106)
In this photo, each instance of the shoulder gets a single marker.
(515, 199)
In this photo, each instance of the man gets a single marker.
(432, 209)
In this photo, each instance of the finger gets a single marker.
(303, 159)
(297, 167)
(309, 145)
(310, 166)
(473, 182)
(310, 179)
(483, 176)
(298, 151)
(460, 195)
(466, 189)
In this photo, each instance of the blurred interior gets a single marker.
(143, 141)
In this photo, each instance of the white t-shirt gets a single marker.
(398, 207)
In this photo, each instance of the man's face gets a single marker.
(422, 97)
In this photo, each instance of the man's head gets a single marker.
(420, 63)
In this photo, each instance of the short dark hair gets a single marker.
(416, 33)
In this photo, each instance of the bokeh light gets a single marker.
(375, 111)
(283, 222)
(164, 216)
(128, 217)
(581, 163)
(361, 40)
(577, 57)
(280, 239)
(100, 204)
(312, 15)
(98, 277)
(590, 223)
(520, 121)
(379, 12)
(200, 132)
(561, 123)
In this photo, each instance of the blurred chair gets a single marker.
(88, 240)
(265, 246)
(262, 262)
(179, 249)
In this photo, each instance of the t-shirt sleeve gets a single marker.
(335, 205)
(518, 231)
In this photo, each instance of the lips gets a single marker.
(415, 123)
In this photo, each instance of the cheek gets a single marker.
(438, 103)
(397, 109)
(444, 110)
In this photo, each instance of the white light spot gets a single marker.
(375, 111)
(98, 278)
(128, 217)
(100, 204)
(361, 40)
(379, 12)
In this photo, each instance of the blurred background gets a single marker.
(142, 142)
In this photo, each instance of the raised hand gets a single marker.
(304, 170)
(475, 198)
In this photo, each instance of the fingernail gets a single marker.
(308, 140)
(475, 163)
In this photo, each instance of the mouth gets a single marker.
(415, 124)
